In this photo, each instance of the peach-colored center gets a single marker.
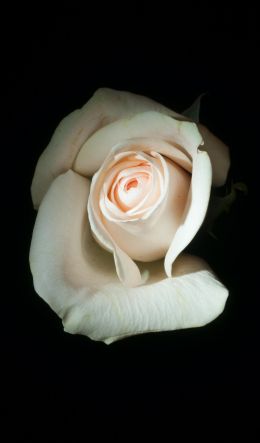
(141, 197)
(133, 185)
(131, 188)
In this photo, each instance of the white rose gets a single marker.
(137, 177)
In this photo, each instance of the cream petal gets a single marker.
(153, 191)
(147, 144)
(196, 208)
(59, 154)
(104, 107)
(149, 239)
(147, 125)
(217, 150)
(78, 279)
(127, 271)
(218, 154)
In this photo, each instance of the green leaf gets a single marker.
(193, 112)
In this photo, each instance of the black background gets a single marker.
(195, 379)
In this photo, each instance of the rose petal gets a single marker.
(195, 210)
(217, 150)
(149, 239)
(218, 154)
(127, 271)
(78, 280)
(145, 144)
(147, 125)
(104, 107)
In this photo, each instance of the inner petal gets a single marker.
(148, 238)
(129, 191)
(131, 184)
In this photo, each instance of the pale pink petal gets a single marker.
(78, 279)
(146, 144)
(127, 271)
(149, 239)
(217, 150)
(104, 107)
(196, 208)
(147, 125)
(218, 154)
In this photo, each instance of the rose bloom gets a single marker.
(122, 189)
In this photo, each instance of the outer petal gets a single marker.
(82, 286)
(217, 150)
(218, 154)
(196, 208)
(104, 107)
(127, 271)
(147, 125)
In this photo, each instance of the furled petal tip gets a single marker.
(196, 208)
(219, 156)
(106, 107)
